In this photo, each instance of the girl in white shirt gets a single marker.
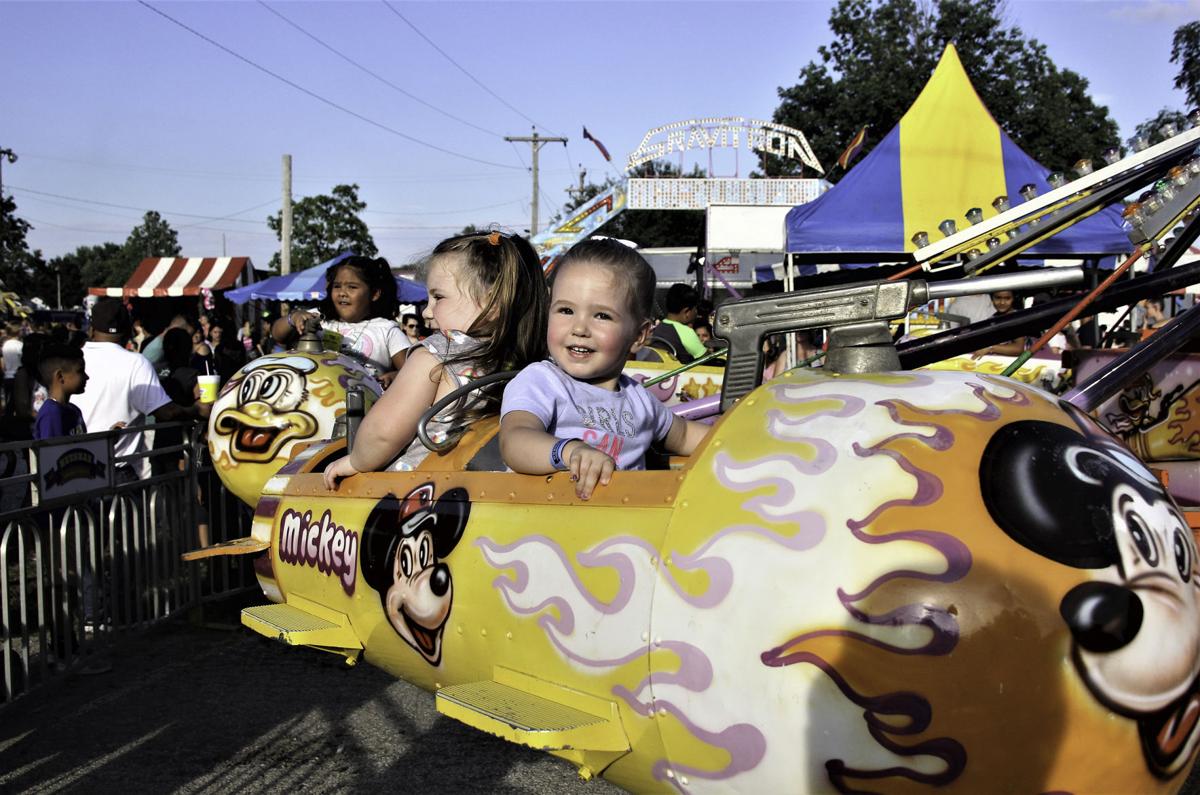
(359, 307)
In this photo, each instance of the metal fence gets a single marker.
(90, 546)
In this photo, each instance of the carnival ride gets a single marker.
(868, 576)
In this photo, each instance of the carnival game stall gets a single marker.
(162, 287)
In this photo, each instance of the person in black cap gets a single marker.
(123, 387)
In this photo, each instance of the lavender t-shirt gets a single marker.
(621, 423)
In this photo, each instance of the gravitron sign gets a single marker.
(727, 132)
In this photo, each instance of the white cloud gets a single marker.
(1158, 11)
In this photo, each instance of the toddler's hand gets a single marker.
(341, 468)
(588, 467)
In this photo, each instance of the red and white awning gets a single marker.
(175, 276)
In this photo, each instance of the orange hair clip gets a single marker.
(494, 238)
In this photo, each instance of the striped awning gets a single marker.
(175, 276)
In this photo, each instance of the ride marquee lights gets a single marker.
(724, 132)
(698, 194)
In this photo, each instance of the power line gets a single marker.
(373, 227)
(549, 202)
(234, 231)
(519, 155)
(379, 77)
(103, 230)
(460, 68)
(125, 230)
(447, 212)
(227, 175)
(132, 219)
(317, 96)
(77, 208)
(230, 217)
(142, 209)
(567, 155)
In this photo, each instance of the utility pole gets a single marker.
(576, 194)
(285, 225)
(10, 156)
(536, 142)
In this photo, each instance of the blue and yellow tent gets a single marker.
(945, 156)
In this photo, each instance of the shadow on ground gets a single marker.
(195, 710)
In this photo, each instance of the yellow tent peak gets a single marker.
(951, 156)
(948, 93)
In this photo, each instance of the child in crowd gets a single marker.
(487, 310)
(28, 394)
(676, 328)
(577, 411)
(1004, 302)
(359, 306)
(61, 370)
(412, 327)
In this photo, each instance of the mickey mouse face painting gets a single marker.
(1080, 498)
(404, 545)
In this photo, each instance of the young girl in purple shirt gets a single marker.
(577, 411)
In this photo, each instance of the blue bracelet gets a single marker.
(556, 451)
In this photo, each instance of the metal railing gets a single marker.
(90, 544)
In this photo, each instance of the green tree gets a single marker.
(883, 53)
(104, 265)
(153, 237)
(1185, 51)
(324, 226)
(22, 270)
(1151, 127)
(13, 247)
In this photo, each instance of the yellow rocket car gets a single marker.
(894, 582)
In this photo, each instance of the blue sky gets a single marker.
(113, 109)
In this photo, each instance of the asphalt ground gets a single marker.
(191, 709)
(216, 709)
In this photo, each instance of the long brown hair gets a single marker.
(503, 274)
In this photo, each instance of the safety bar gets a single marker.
(458, 394)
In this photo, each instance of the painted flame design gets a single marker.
(805, 606)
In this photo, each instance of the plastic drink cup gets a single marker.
(209, 384)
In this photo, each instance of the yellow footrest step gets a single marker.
(297, 626)
(536, 713)
(238, 546)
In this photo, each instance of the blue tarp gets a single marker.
(309, 285)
